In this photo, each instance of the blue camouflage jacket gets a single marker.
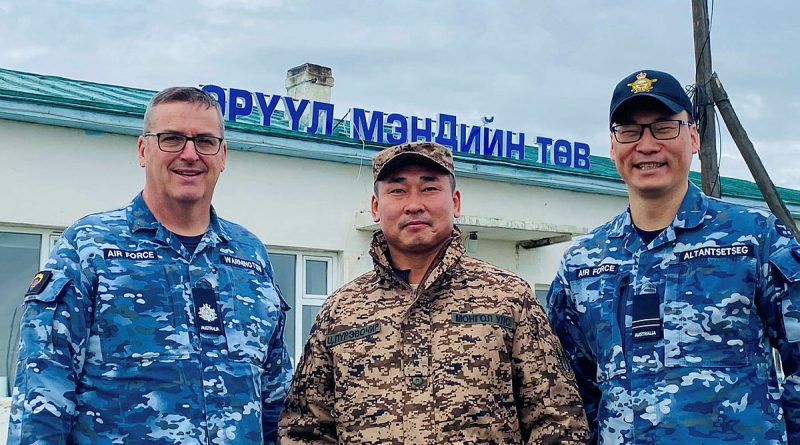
(126, 337)
(672, 342)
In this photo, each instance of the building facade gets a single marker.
(69, 149)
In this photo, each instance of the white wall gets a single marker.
(59, 174)
(5, 411)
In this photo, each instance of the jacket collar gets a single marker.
(140, 217)
(690, 214)
(445, 260)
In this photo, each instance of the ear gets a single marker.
(694, 136)
(224, 154)
(456, 203)
(140, 148)
(612, 152)
(374, 209)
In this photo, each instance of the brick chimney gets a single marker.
(309, 81)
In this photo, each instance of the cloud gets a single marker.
(23, 54)
(750, 105)
(544, 68)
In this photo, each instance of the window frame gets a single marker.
(47, 240)
(301, 298)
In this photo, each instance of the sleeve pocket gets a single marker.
(786, 261)
(36, 326)
(51, 291)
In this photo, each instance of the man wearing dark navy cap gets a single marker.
(670, 311)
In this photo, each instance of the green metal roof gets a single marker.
(84, 96)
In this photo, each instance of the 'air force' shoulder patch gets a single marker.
(596, 271)
(138, 255)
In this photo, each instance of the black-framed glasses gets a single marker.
(174, 142)
(661, 130)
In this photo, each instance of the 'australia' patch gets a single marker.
(496, 319)
(39, 282)
(206, 312)
(244, 264)
(716, 252)
(596, 270)
(112, 254)
(352, 334)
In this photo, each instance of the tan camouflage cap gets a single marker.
(428, 153)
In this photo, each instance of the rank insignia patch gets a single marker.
(206, 311)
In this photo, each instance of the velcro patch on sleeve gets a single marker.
(39, 282)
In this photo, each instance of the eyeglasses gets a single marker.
(661, 130)
(175, 142)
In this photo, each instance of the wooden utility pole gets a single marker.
(709, 92)
(709, 166)
(750, 156)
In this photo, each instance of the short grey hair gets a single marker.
(190, 95)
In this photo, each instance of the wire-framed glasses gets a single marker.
(175, 142)
(661, 130)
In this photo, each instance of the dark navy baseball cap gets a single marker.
(650, 83)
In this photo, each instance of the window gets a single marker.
(541, 290)
(22, 253)
(305, 280)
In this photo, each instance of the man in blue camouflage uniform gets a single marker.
(156, 323)
(670, 311)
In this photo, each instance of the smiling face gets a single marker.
(185, 178)
(653, 169)
(415, 206)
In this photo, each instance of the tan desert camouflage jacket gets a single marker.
(467, 358)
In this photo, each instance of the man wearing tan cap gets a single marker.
(431, 346)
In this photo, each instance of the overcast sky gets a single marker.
(545, 68)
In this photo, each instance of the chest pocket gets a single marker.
(364, 366)
(709, 316)
(252, 312)
(599, 297)
(135, 314)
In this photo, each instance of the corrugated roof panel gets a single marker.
(98, 93)
(92, 96)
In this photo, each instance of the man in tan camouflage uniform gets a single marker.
(432, 346)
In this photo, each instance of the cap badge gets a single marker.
(642, 84)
